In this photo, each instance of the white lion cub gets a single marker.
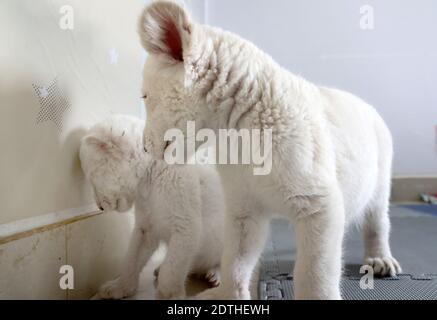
(180, 205)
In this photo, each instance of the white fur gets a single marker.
(180, 205)
(332, 152)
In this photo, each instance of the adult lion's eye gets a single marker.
(144, 97)
(145, 149)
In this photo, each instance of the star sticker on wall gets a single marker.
(113, 56)
(43, 93)
(53, 104)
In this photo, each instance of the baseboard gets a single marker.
(409, 188)
(26, 227)
(32, 251)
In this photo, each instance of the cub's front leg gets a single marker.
(141, 247)
(176, 266)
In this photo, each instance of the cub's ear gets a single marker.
(165, 29)
(96, 143)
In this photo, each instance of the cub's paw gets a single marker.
(384, 266)
(220, 293)
(170, 288)
(170, 294)
(213, 277)
(117, 289)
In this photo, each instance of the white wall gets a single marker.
(97, 64)
(393, 66)
(197, 9)
(95, 59)
(48, 215)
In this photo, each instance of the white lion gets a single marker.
(180, 205)
(331, 153)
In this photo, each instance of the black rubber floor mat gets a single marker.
(403, 287)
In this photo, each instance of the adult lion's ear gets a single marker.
(165, 28)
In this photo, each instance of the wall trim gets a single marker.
(26, 227)
(407, 188)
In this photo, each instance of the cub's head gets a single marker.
(113, 159)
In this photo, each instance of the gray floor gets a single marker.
(413, 242)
